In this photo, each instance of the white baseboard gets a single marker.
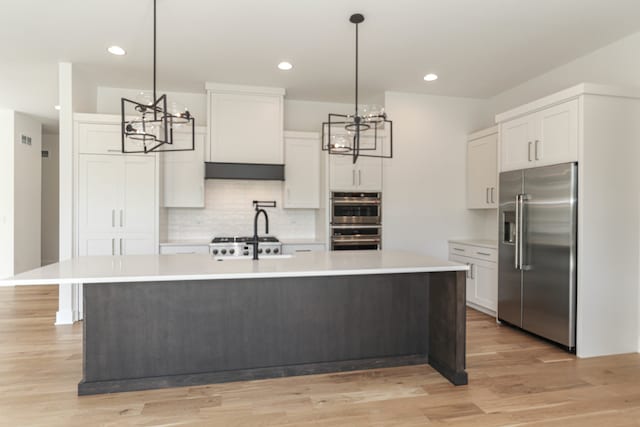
(481, 309)
(67, 317)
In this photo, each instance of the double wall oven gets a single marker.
(356, 221)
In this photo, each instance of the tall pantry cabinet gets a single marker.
(116, 195)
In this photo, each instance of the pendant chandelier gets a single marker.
(363, 133)
(148, 125)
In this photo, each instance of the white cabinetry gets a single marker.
(291, 248)
(301, 170)
(183, 172)
(245, 124)
(364, 175)
(546, 137)
(186, 248)
(116, 194)
(482, 169)
(482, 277)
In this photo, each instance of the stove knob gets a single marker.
(259, 251)
(276, 250)
(224, 251)
(245, 253)
(232, 251)
(215, 252)
(268, 250)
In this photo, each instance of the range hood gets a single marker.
(253, 171)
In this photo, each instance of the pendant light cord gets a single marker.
(154, 52)
(356, 70)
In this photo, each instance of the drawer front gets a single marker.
(486, 254)
(477, 252)
(184, 249)
(289, 249)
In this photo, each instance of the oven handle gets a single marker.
(356, 240)
(356, 202)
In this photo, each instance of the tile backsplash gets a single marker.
(229, 211)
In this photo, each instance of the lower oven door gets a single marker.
(352, 239)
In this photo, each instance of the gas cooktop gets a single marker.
(266, 239)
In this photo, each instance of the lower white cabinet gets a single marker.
(482, 277)
(301, 170)
(167, 249)
(293, 248)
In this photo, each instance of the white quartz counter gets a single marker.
(154, 268)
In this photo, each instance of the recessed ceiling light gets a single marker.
(431, 77)
(116, 50)
(285, 66)
(57, 107)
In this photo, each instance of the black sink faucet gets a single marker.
(256, 240)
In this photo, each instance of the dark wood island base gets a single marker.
(147, 335)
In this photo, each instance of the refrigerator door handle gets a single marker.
(517, 234)
(522, 198)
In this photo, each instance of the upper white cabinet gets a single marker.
(482, 169)
(183, 172)
(99, 138)
(546, 137)
(364, 175)
(301, 170)
(245, 124)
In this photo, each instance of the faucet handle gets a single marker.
(264, 204)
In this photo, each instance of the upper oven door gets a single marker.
(355, 208)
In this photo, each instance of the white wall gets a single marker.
(617, 64)
(50, 201)
(424, 184)
(108, 101)
(27, 201)
(6, 193)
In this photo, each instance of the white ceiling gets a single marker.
(479, 48)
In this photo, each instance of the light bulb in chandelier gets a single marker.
(340, 143)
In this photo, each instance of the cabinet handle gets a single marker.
(121, 247)
(483, 253)
(471, 270)
(458, 249)
(114, 151)
(121, 217)
(113, 217)
(493, 190)
(113, 246)
(536, 149)
(529, 151)
(486, 195)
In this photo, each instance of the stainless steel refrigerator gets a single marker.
(537, 251)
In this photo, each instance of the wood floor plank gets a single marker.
(515, 380)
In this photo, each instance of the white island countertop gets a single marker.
(157, 268)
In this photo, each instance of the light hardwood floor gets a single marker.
(514, 379)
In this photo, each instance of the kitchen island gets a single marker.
(153, 321)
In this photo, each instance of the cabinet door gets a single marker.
(342, 173)
(99, 193)
(557, 134)
(91, 244)
(516, 144)
(369, 173)
(470, 278)
(246, 128)
(485, 290)
(131, 244)
(302, 173)
(183, 173)
(99, 138)
(482, 172)
(138, 210)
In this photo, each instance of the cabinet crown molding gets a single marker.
(567, 94)
(253, 90)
